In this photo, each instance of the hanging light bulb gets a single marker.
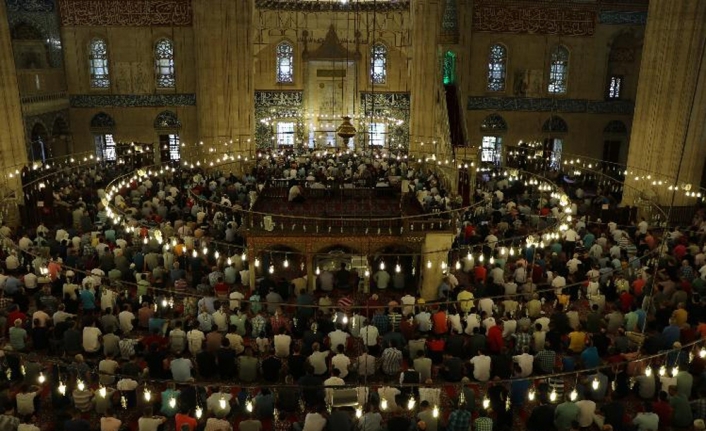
(444, 265)
(345, 319)
(248, 405)
(41, 379)
(662, 370)
(222, 403)
(480, 258)
(491, 260)
(469, 256)
(398, 268)
(80, 385)
(194, 254)
(62, 388)
(148, 395)
(366, 273)
(552, 396)
(675, 371)
(435, 412)
(531, 394)
(199, 412)
(359, 412)
(486, 403)
(285, 263)
(205, 251)
(458, 265)
(172, 402)
(429, 264)
(383, 404)
(512, 251)
(595, 384)
(502, 251)
(272, 269)
(22, 370)
(318, 271)
(244, 256)
(573, 395)
(257, 263)
(702, 352)
(144, 240)
(382, 265)
(648, 371)
(102, 391)
(216, 254)
(411, 403)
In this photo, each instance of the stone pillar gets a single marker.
(667, 115)
(223, 35)
(435, 249)
(13, 149)
(425, 66)
(310, 274)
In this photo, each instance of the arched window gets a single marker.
(497, 65)
(285, 63)
(164, 63)
(102, 127)
(98, 63)
(378, 64)
(559, 70)
(492, 128)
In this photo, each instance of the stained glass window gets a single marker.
(491, 149)
(164, 63)
(377, 133)
(449, 68)
(98, 63)
(285, 63)
(378, 64)
(105, 147)
(559, 70)
(615, 86)
(497, 65)
(285, 133)
(174, 147)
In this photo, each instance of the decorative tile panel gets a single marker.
(395, 105)
(548, 105)
(30, 5)
(280, 104)
(131, 100)
(126, 13)
(334, 5)
(450, 21)
(621, 17)
(527, 19)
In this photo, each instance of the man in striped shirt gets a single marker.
(391, 360)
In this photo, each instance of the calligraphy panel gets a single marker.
(534, 20)
(126, 13)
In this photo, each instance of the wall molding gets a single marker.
(131, 100)
(126, 13)
(528, 104)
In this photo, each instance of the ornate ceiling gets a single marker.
(334, 5)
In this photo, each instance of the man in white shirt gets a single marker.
(126, 317)
(338, 337)
(341, 362)
(195, 339)
(525, 361)
(481, 367)
(382, 279)
(587, 410)
(317, 359)
(214, 404)
(91, 338)
(282, 343)
(313, 421)
(334, 380)
(408, 302)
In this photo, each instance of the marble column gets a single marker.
(671, 104)
(435, 250)
(424, 68)
(223, 35)
(13, 148)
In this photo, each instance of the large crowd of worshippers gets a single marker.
(92, 317)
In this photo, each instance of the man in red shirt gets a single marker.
(182, 418)
(495, 338)
(662, 408)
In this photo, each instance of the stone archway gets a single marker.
(39, 143)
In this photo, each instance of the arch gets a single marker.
(559, 70)
(60, 134)
(616, 127)
(555, 124)
(39, 138)
(378, 63)
(164, 63)
(497, 67)
(102, 121)
(167, 120)
(285, 62)
(493, 123)
(337, 249)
